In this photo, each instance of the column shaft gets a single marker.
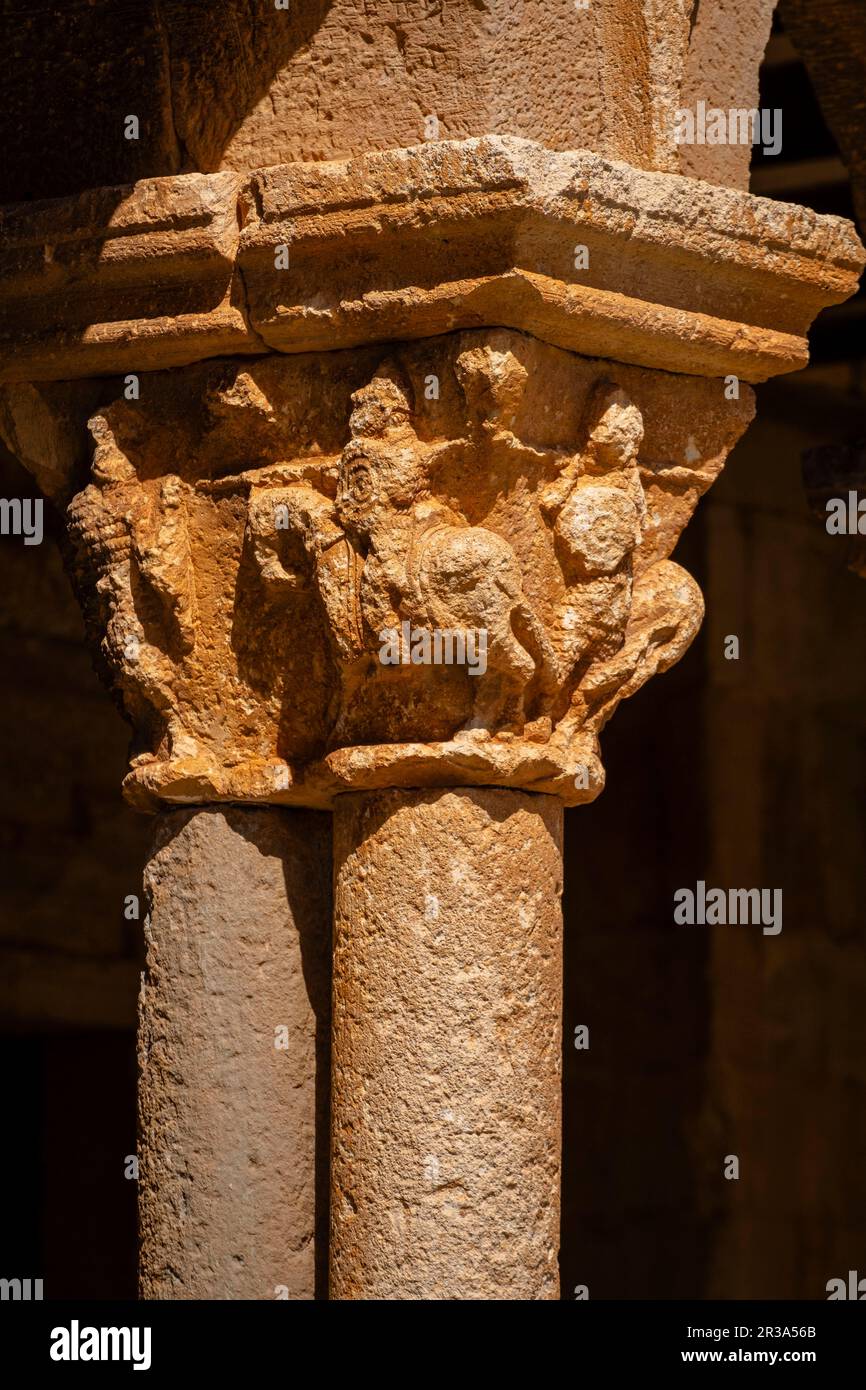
(233, 1049)
(446, 1045)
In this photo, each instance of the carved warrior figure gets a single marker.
(386, 549)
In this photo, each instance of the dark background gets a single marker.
(704, 1042)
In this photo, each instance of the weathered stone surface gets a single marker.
(726, 44)
(251, 532)
(447, 1051)
(412, 243)
(237, 949)
(40, 423)
(73, 72)
(153, 263)
(239, 84)
(830, 37)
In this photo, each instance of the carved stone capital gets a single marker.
(439, 563)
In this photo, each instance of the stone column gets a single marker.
(447, 1048)
(233, 1055)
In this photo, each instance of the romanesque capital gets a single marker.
(442, 563)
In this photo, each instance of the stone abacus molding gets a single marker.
(403, 244)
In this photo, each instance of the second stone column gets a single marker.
(446, 1045)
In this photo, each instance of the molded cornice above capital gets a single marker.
(582, 252)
